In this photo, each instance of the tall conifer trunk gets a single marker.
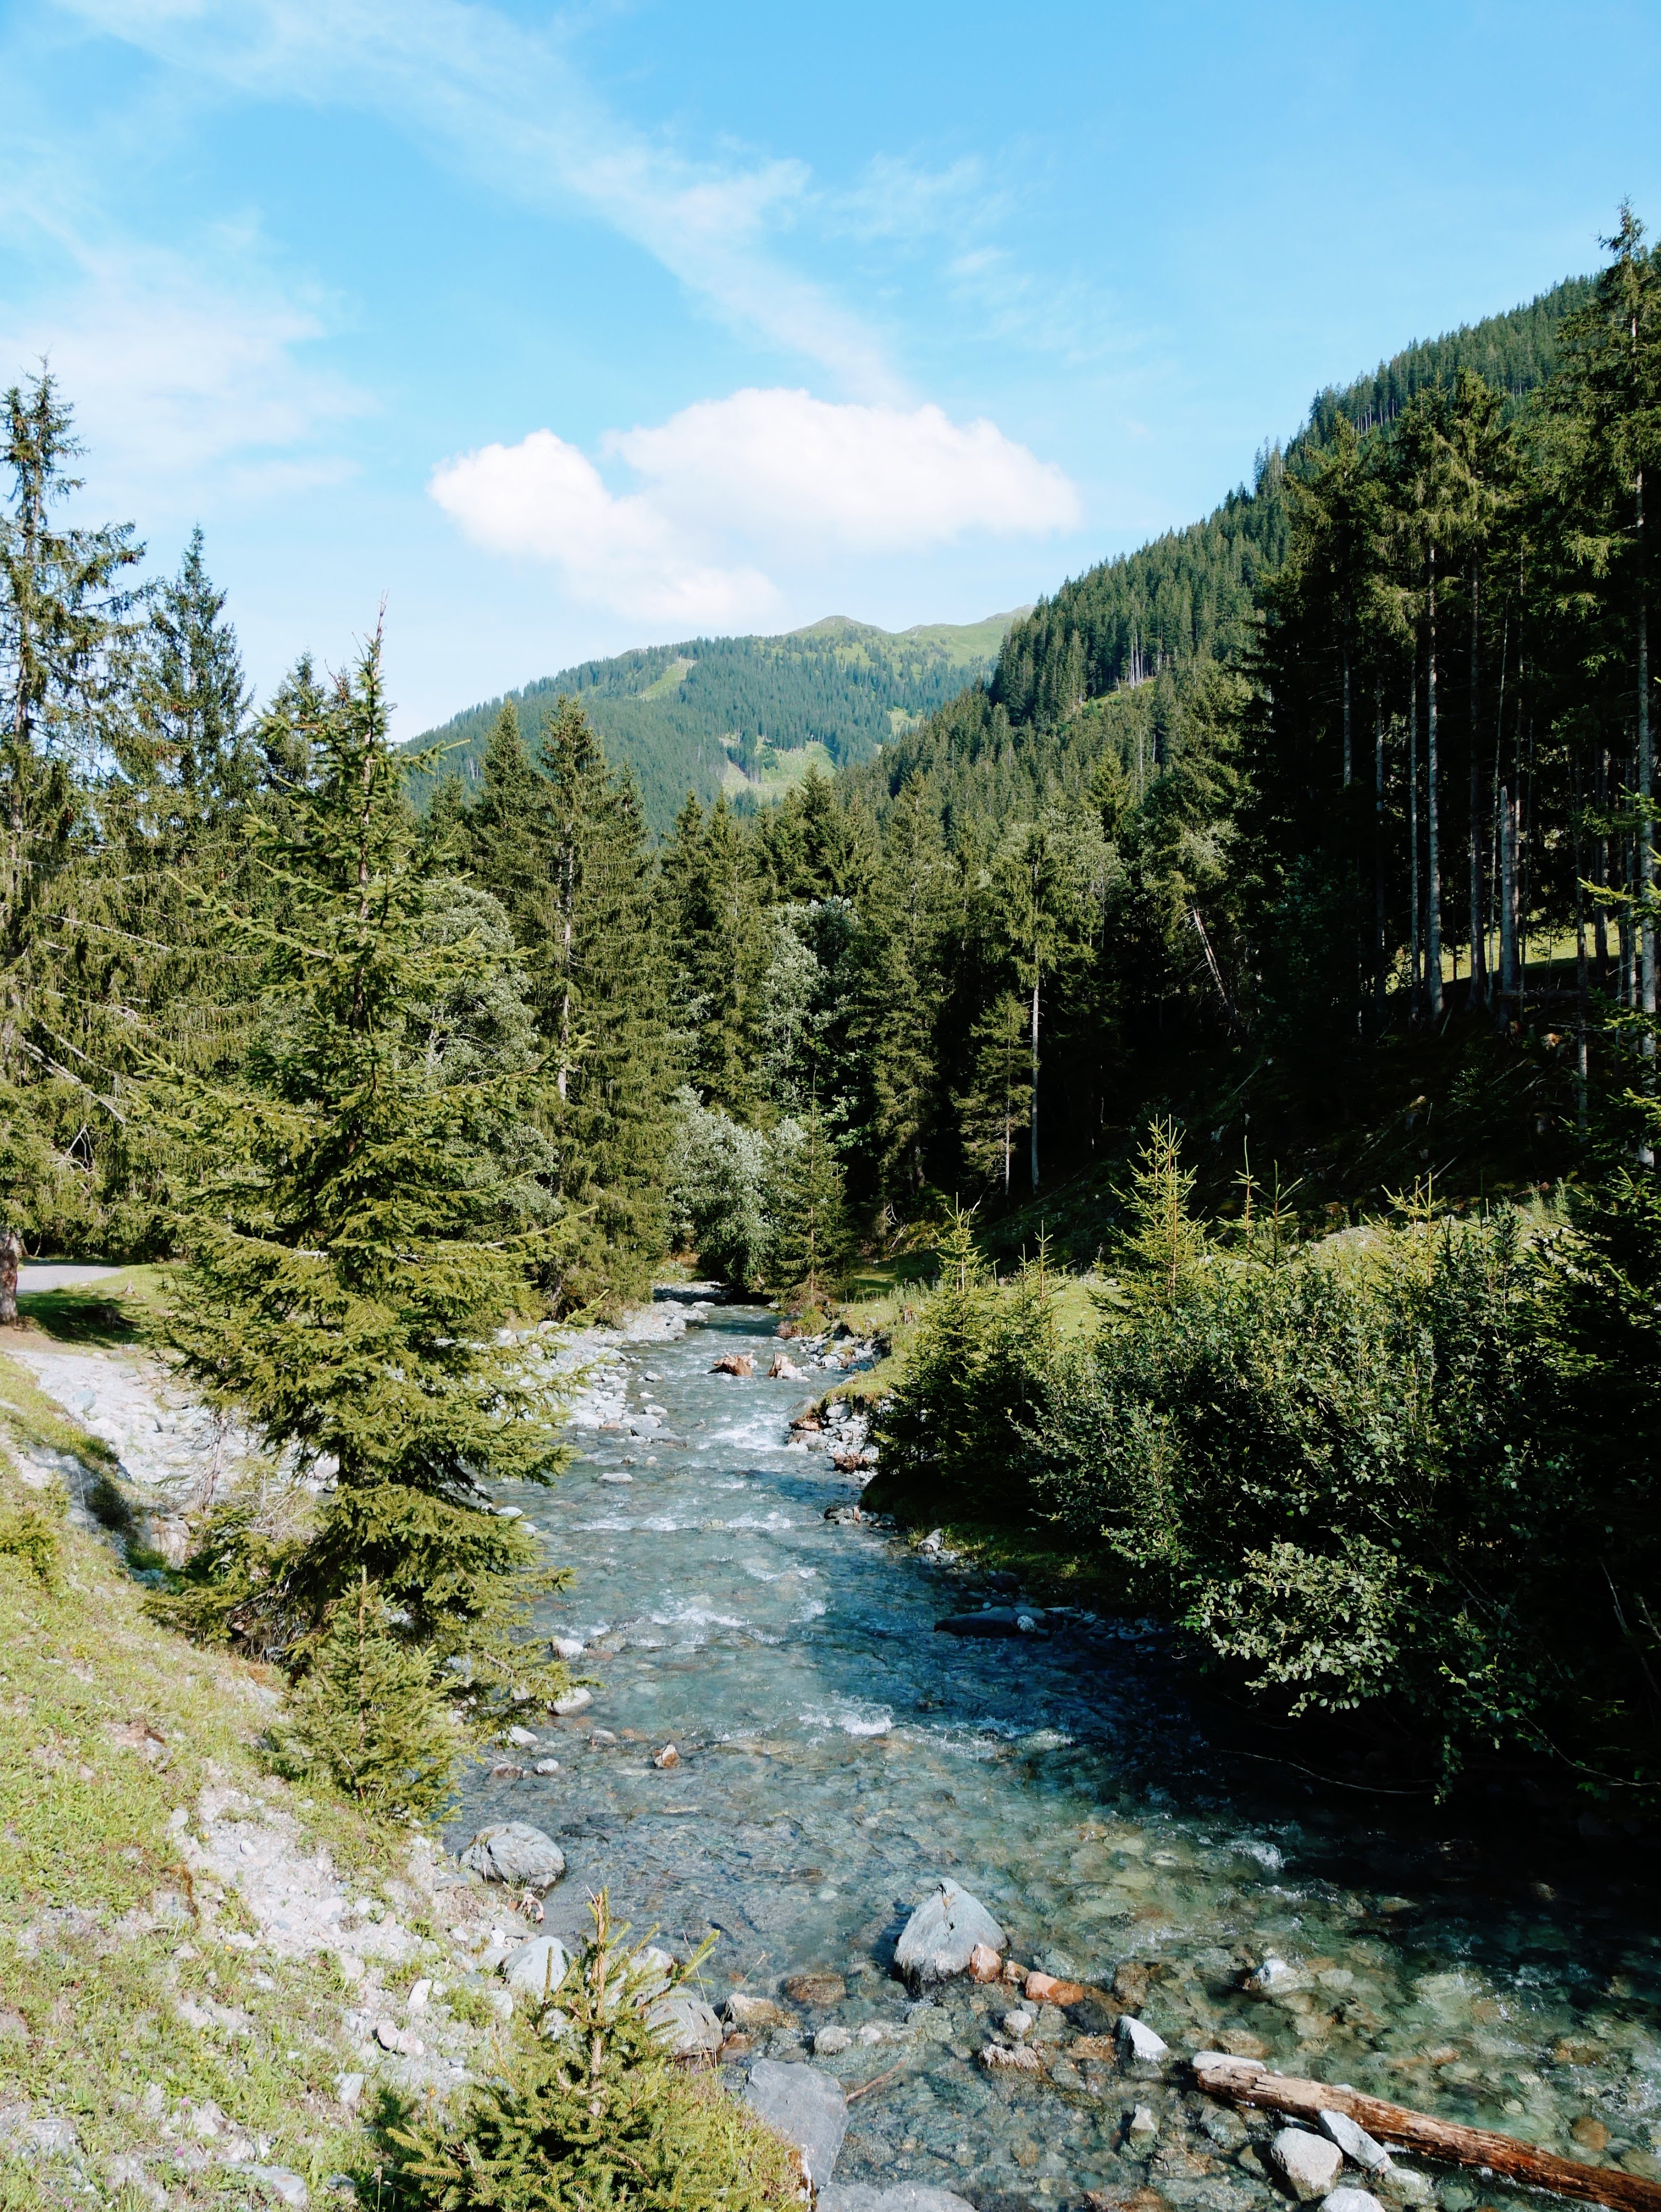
(1432, 813)
(1378, 920)
(1035, 1075)
(1479, 977)
(1413, 841)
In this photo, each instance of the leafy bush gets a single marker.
(1413, 1469)
(587, 2113)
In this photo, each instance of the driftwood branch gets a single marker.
(1246, 2082)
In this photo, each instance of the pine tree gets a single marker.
(717, 949)
(192, 698)
(371, 1710)
(345, 1296)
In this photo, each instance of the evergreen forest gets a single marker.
(739, 713)
(1224, 1029)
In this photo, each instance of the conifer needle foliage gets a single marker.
(589, 2114)
(350, 1282)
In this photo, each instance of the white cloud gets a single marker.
(504, 103)
(544, 500)
(779, 470)
(869, 479)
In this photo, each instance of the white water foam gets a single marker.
(853, 1720)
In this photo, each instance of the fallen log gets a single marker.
(1246, 2082)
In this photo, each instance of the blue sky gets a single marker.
(569, 329)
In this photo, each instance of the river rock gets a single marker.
(941, 1936)
(785, 1370)
(1356, 2144)
(574, 1701)
(537, 1968)
(514, 1851)
(831, 2042)
(1004, 2058)
(1141, 2129)
(995, 1621)
(1273, 1975)
(984, 1964)
(1351, 2200)
(733, 1362)
(909, 2197)
(804, 2106)
(745, 2011)
(814, 1988)
(1309, 2163)
(1141, 2052)
(685, 2023)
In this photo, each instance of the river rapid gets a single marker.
(837, 1755)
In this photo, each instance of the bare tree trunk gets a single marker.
(1580, 978)
(1378, 947)
(1507, 899)
(1478, 916)
(1645, 792)
(11, 1252)
(1035, 1076)
(1413, 837)
(1432, 812)
(1600, 919)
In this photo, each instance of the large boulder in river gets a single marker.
(514, 1851)
(803, 2106)
(941, 1936)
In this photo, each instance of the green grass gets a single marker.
(120, 1308)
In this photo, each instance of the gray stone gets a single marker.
(130, 2173)
(1309, 2163)
(744, 2010)
(685, 2023)
(996, 1620)
(803, 2106)
(1273, 1974)
(536, 1969)
(1356, 2144)
(831, 2042)
(910, 2196)
(1141, 2127)
(1407, 2185)
(1351, 2200)
(1141, 2052)
(941, 1933)
(574, 1701)
(514, 1851)
(275, 2179)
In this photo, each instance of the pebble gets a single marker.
(999, 2057)
(1141, 2127)
(1351, 2200)
(814, 1989)
(546, 1766)
(829, 2042)
(1272, 1974)
(744, 2010)
(1309, 2163)
(574, 1701)
(1140, 2051)
(521, 1738)
(1018, 2022)
(1356, 2144)
(667, 1757)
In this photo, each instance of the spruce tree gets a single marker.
(810, 1243)
(344, 1295)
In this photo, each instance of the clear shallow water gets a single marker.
(838, 1755)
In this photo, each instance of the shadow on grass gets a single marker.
(79, 1317)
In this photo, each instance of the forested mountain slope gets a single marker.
(713, 713)
(1192, 594)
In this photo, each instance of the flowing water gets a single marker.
(837, 1755)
